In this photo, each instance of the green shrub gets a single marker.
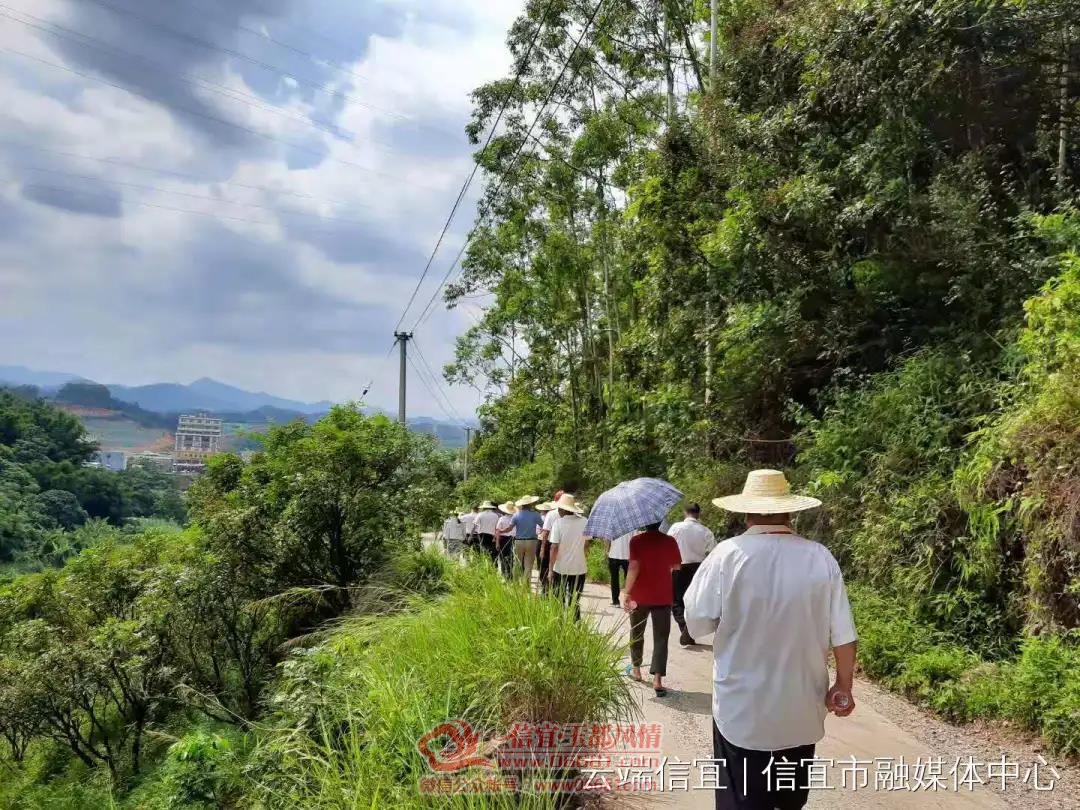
(349, 713)
(598, 567)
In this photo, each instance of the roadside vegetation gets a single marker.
(852, 255)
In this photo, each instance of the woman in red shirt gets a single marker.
(648, 594)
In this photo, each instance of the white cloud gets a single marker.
(112, 297)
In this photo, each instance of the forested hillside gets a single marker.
(51, 505)
(849, 249)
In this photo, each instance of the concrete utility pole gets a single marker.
(468, 441)
(403, 339)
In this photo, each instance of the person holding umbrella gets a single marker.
(777, 605)
(648, 593)
(648, 596)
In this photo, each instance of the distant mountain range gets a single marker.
(209, 395)
(213, 397)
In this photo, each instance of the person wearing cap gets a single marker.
(695, 541)
(453, 535)
(569, 564)
(544, 551)
(504, 539)
(777, 604)
(487, 519)
(527, 524)
(648, 596)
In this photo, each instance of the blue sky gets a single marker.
(304, 156)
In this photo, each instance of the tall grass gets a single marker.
(351, 711)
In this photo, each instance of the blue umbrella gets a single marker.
(629, 506)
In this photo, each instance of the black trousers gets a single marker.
(504, 557)
(752, 784)
(543, 554)
(680, 581)
(661, 629)
(614, 567)
(487, 545)
(569, 588)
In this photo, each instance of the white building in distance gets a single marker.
(198, 436)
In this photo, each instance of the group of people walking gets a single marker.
(773, 601)
(521, 534)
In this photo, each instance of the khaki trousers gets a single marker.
(525, 554)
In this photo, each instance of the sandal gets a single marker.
(629, 673)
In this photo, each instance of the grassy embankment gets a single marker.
(438, 642)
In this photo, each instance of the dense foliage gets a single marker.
(851, 251)
(47, 492)
(144, 633)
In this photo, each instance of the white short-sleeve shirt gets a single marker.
(777, 604)
(486, 521)
(620, 547)
(549, 521)
(453, 529)
(695, 539)
(569, 535)
(467, 520)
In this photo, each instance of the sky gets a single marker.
(244, 190)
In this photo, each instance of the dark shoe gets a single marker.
(661, 691)
(686, 639)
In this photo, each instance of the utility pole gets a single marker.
(403, 339)
(468, 441)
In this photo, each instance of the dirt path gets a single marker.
(882, 728)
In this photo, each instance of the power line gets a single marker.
(209, 117)
(435, 379)
(434, 396)
(517, 153)
(233, 94)
(202, 43)
(381, 366)
(316, 60)
(476, 165)
(144, 187)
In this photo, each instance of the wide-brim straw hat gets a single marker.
(546, 506)
(767, 492)
(507, 507)
(487, 505)
(569, 503)
(528, 500)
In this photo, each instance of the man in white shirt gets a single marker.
(777, 604)
(453, 535)
(467, 520)
(618, 560)
(568, 545)
(695, 541)
(487, 521)
(544, 550)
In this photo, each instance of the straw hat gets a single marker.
(766, 492)
(528, 500)
(507, 507)
(487, 505)
(546, 506)
(569, 503)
